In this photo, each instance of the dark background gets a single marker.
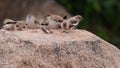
(101, 17)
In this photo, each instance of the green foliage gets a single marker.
(101, 17)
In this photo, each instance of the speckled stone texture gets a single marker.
(76, 49)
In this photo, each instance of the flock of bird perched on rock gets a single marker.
(46, 24)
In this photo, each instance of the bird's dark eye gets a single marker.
(46, 24)
(65, 17)
(36, 22)
(17, 25)
(23, 26)
(60, 20)
(42, 24)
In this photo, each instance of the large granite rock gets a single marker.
(35, 49)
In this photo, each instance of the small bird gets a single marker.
(20, 25)
(71, 22)
(34, 23)
(9, 21)
(30, 21)
(54, 21)
(9, 24)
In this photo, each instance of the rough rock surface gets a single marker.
(35, 49)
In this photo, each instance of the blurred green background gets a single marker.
(101, 17)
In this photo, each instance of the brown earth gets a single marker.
(35, 49)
